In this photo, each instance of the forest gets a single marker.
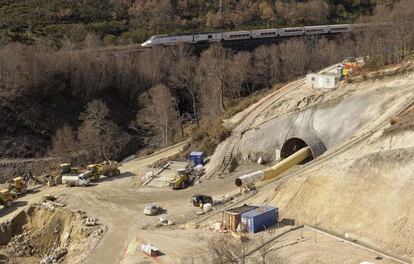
(85, 105)
(128, 21)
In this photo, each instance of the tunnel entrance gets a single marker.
(293, 145)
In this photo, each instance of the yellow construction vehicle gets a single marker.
(6, 198)
(106, 168)
(180, 181)
(18, 186)
(55, 177)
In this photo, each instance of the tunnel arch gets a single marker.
(293, 144)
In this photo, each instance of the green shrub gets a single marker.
(110, 39)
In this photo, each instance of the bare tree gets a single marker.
(228, 251)
(183, 76)
(238, 73)
(211, 77)
(89, 140)
(266, 66)
(98, 134)
(64, 141)
(294, 57)
(155, 66)
(160, 113)
(96, 113)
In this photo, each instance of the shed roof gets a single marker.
(259, 211)
(241, 209)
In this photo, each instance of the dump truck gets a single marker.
(183, 177)
(6, 198)
(180, 181)
(18, 186)
(106, 168)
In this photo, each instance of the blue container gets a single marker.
(196, 157)
(259, 219)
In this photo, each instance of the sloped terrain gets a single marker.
(365, 189)
(27, 125)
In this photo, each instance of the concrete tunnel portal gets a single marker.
(294, 151)
(293, 145)
(296, 143)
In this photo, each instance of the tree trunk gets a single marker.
(195, 112)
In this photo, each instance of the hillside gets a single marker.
(361, 185)
(75, 100)
(121, 22)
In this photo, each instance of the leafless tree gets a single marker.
(227, 251)
(96, 113)
(238, 73)
(160, 112)
(212, 77)
(184, 76)
(294, 58)
(155, 66)
(64, 142)
(98, 134)
(266, 66)
(89, 140)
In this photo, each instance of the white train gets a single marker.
(198, 38)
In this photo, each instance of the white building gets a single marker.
(324, 80)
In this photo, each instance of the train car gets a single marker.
(236, 35)
(165, 40)
(264, 33)
(296, 31)
(340, 28)
(207, 37)
(317, 30)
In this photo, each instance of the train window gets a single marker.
(209, 36)
(293, 30)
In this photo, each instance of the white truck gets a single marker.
(76, 180)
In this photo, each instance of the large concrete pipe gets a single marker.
(272, 172)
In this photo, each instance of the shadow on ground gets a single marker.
(5, 211)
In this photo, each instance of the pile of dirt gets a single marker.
(48, 233)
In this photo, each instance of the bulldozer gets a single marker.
(18, 186)
(106, 168)
(6, 198)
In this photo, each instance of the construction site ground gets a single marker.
(341, 192)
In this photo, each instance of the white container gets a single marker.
(207, 207)
(149, 249)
